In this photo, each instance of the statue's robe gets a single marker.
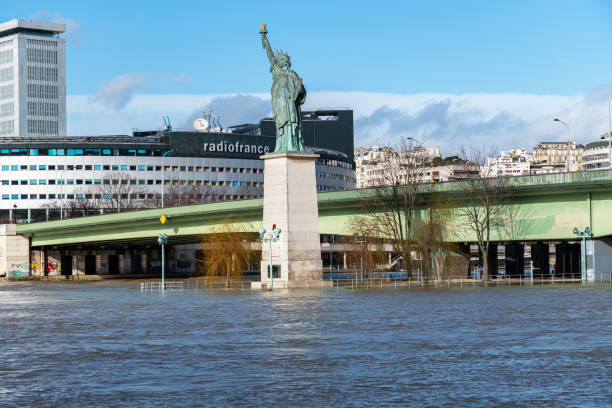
(288, 94)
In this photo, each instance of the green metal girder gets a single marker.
(548, 208)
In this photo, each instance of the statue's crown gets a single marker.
(281, 53)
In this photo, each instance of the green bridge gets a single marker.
(547, 208)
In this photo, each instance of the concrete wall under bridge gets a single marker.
(540, 259)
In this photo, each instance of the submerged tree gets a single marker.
(228, 250)
(366, 235)
(484, 203)
(391, 203)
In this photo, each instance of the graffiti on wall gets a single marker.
(18, 269)
(53, 268)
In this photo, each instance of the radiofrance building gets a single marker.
(45, 177)
(32, 79)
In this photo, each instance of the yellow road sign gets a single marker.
(163, 218)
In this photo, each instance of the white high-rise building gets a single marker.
(32, 79)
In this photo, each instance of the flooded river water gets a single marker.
(108, 344)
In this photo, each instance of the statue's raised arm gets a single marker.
(287, 96)
(266, 45)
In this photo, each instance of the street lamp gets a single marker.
(331, 259)
(162, 240)
(361, 241)
(270, 237)
(568, 142)
(163, 174)
(609, 132)
(587, 233)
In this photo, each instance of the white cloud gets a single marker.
(72, 25)
(445, 120)
(117, 92)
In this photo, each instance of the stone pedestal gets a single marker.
(290, 202)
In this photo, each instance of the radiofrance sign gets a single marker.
(235, 147)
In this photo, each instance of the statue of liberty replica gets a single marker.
(288, 94)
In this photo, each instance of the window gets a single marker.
(42, 182)
(23, 167)
(5, 167)
(42, 196)
(33, 196)
(32, 182)
(14, 196)
(33, 167)
(133, 168)
(115, 167)
(124, 167)
(141, 168)
(51, 181)
(88, 181)
(51, 196)
(14, 167)
(106, 167)
(43, 167)
(60, 167)
(88, 167)
(97, 167)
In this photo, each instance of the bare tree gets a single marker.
(484, 203)
(366, 234)
(392, 203)
(433, 236)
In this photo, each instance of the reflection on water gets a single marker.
(109, 344)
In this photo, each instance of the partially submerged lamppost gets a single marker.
(331, 240)
(270, 237)
(587, 233)
(162, 240)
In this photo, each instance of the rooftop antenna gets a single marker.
(167, 124)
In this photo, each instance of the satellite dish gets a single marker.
(200, 124)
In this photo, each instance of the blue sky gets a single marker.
(119, 51)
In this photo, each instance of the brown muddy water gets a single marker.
(108, 344)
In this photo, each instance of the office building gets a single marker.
(32, 79)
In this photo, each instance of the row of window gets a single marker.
(34, 182)
(335, 176)
(42, 73)
(42, 56)
(42, 127)
(593, 157)
(85, 196)
(124, 152)
(42, 109)
(41, 43)
(6, 74)
(335, 163)
(125, 167)
(6, 43)
(82, 152)
(42, 91)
